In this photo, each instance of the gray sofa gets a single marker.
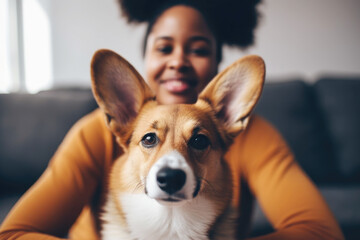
(320, 121)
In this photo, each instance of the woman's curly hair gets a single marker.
(232, 21)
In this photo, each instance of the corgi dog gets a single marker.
(172, 182)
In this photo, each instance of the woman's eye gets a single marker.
(199, 142)
(164, 49)
(149, 140)
(200, 51)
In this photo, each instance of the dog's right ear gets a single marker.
(118, 88)
(234, 92)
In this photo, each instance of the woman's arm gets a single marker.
(50, 207)
(288, 198)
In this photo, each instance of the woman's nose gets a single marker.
(179, 61)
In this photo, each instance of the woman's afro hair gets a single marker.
(233, 21)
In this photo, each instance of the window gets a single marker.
(8, 47)
(25, 46)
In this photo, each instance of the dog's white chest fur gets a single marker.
(148, 219)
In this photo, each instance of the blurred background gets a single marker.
(48, 43)
(311, 49)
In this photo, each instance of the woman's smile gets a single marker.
(180, 55)
(178, 84)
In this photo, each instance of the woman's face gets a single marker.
(180, 56)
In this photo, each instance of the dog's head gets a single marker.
(175, 151)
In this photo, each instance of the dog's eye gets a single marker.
(149, 140)
(199, 142)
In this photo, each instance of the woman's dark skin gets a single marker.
(180, 55)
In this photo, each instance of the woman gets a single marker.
(182, 52)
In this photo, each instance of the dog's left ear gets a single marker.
(234, 92)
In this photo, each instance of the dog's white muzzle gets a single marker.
(171, 180)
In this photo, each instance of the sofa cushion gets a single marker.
(7, 202)
(291, 107)
(340, 101)
(31, 128)
(343, 201)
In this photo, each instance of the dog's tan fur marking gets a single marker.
(221, 112)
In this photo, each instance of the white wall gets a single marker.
(309, 38)
(80, 27)
(302, 38)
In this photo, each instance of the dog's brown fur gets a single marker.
(221, 112)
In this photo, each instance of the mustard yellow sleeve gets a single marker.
(49, 208)
(288, 198)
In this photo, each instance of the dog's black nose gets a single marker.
(170, 180)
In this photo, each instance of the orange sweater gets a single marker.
(70, 193)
